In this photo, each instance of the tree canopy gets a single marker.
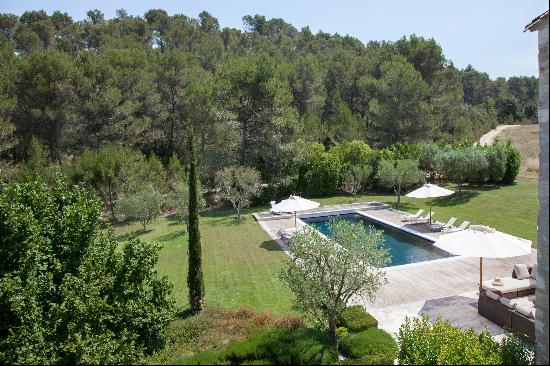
(141, 81)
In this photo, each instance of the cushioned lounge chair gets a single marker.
(438, 226)
(462, 226)
(410, 217)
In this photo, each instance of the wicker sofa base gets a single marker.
(505, 317)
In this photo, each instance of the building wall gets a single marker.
(541, 322)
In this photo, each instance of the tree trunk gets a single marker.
(244, 142)
(332, 331)
(112, 210)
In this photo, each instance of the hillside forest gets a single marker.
(250, 95)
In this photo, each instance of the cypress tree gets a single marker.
(195, 280)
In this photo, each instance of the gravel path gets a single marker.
(490, 136)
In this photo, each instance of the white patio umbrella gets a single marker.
(429, 191)
(482, 241)
(294, 204)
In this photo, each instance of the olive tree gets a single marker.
(399, 175)
(144, 205)
(355, 179)
(324, 273)
(238, 185)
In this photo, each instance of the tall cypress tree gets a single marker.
(195, 281)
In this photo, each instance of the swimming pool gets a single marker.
(404, 248)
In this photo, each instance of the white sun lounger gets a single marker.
(423, 220)
(286, 233)
(410, 217)
(440, 226)
(462, 226)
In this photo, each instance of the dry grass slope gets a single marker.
(526, 139)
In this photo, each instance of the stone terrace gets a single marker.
(445, 287)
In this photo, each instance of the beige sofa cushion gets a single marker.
(513, 303)
(490, 294)
(510, 284)
(510, 303)
(522, 272)
(525, 310)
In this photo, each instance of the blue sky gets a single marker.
(487, 34)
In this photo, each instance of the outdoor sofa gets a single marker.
(512, 305)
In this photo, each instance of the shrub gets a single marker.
(319, 172)
(405, 151)
(496, 159)
(203, 358)
(476, 165)
(263, 319)
(371, 345)
(517, 350)
(353, 153)
(513, 162)
(302, 346)
(369, 360)
(440, 343)
(70, 293)
(289, 322)
(356, 319)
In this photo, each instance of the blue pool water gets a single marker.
(403, 247)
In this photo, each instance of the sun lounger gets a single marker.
(462, 226)
(423, 220)
(286, 233)
(410, 217)
(440, 226)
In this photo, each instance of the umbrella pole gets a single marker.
(480, 273)
(430, 212)
(295, 219)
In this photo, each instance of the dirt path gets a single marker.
(490, 136)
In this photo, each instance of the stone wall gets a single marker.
(541, 321)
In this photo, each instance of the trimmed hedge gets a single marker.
(303, 346)
(370, 347)
(356, 319)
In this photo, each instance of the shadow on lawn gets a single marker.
(173, 235)
(131, 234)
(270, 245)
(458, 198)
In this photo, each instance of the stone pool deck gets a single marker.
(445, 287)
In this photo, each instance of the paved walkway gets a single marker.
(444, 287)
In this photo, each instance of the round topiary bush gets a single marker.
(356, 319)
(372, 346)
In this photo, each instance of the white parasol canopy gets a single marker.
(482, 241)
(429, 191)
(294, 204)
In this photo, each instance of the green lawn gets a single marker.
(241, 262)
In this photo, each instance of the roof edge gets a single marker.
(532, 25)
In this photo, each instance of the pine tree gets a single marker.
(195, 280)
